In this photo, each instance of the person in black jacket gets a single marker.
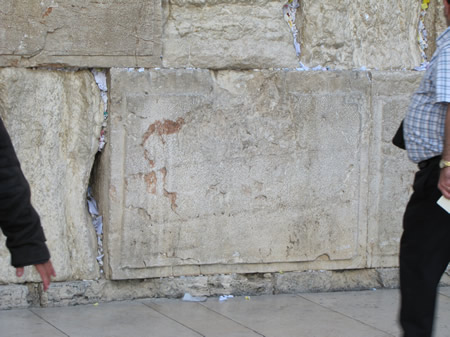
(19, 221)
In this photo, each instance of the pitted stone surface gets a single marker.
(13, 297)
(353, 34)
(54, 120)
(227, 34)
(244, 161)
(84, 33)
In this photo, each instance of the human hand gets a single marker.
(45, 270)
(444, 182)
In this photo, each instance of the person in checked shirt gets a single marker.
(425, 242)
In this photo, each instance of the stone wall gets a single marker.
(230, 165)
(214, 34)
(54, 119)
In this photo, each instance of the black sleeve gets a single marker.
(398, 139)
(19, 221)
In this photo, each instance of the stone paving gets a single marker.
(346, 314)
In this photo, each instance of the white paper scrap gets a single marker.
(98, 224)
(189, 298)
(100, 78)
(93, 209)
(444, 203)
(225, 297)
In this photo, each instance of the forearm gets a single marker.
(18, 220)
(444, 178)
(446, 151)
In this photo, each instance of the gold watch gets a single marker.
(443, 163)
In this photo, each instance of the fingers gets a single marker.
(44, 275)
(444, 182)
(442, 189)
(19, 271)
(46, 271)
(445, 192)
(50, 269)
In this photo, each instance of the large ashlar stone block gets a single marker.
(370, 33)
(211, 171)
(54, 119)
(391, 172)
(227, 34)
(86, 33)
(14, 297)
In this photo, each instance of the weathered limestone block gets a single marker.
(435, 24)
(391, 172)
(389, 277)
(72, 293)
(54, 119)
(230, 168)
(353, 34)
(13, 297)
(86, 33)
(216, 34)
(326, 280)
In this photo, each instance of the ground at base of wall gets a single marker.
(93, 291)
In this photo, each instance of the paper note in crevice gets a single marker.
(444, 203)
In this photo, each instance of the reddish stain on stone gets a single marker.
(150, 161)
(172, 196)
(164, 173)
(47, 12)
(173, 199)
(150, 180)
(167, 127)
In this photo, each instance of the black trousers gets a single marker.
(424, 252)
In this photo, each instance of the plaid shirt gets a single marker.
(425, 120)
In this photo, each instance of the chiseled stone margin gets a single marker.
(391, 172)
(90, 292)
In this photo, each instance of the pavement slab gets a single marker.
(291, 315)
(200, 318)
(378, 308)
(115, 319)
(23, 322)
(445, 291)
